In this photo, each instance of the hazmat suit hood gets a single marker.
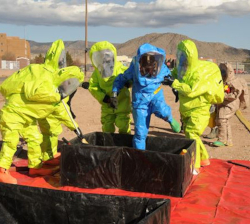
(142, 50)
(105, 47)
(70, 72)
(200, 85)
(190, 51)
(52, 56)
(227, 72)
(38, 72)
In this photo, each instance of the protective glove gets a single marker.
(175, 92)
(212, 109)
(128, 84)
(175, 126)
(114, 101)
(62, 94)
(80, 136)
(168, 81)
(106, 99)
(85, 85)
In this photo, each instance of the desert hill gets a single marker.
(167, 41)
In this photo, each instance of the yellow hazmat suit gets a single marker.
(31, 93)
(100, 86)
(199, 84)
(50, 126)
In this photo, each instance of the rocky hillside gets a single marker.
(167, 41)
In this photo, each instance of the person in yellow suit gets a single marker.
(32, 93)
(50, 126)
(199, 84)
(107, 68)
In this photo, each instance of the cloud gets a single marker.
(159, 13)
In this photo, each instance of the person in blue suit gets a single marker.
(146, 72)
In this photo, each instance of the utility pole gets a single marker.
(25, 47)
(86, 35)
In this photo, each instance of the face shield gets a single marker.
(150, 64)
(223, 71)
(68, 86)
(62, 60)
(104, 62)
(182, 63)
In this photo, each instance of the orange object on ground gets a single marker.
(45, 170)
(205, 162)
(220, 193)
(55, 161)
(5, 177)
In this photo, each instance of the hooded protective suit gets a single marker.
(31, 93)
(199, 84)
(236, 97)
(147, 96)
(50, 126)
(100, 86)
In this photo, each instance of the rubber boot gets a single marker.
(5, 177)
(196, 171)
(55, 161)
(43, 171)
(205, 162)
(218, 144)
(213, 134)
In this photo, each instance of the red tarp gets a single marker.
(219, 194)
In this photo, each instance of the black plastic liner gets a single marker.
(29, 205)
(109, 161)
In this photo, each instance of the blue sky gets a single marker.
(117, 21)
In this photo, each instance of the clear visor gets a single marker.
(182, 63)
(223, 71)
(69, 86)
(150, 64)
(62, 60)
(104, 62)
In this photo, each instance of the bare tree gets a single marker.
(9, 56)
(37, 60)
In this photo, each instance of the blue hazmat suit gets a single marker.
(147, 95)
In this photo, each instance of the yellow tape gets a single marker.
(157, 90)
(243, 120)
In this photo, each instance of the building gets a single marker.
(15, 45)
(19, 48)
(125, 60)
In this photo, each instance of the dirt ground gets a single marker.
(88, 112)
